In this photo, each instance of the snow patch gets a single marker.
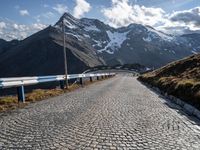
(86, 35)
(76, 36)
(69, 25)
(147, 69)
(194, 52)
(148, 39)
(116, 40)
(170, 51)
(160, 34)
(98, 43)
(91, 28)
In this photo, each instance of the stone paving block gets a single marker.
(119, 113)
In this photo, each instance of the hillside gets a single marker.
(42, 54)
(180, 79)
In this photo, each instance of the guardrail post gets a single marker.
(90, 79)
(101, 77)
(20, 94)
(97, 78)
(81, 81)
(62, 84)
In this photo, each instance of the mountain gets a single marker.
(132, 44)
(5, 45)
(193, 41)
(91, 43)
(42, 54)
(180, 79)
(2, 42)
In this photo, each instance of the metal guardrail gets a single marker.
(25, 81)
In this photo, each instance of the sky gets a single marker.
(21, 18)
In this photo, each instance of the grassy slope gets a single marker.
(180, 79)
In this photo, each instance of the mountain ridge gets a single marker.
(90, 42)
(112, 44)
(42, 54)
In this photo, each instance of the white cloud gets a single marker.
(81, 7)
(2, 25)
(60, 8)
(180, 22)
(47, 15)
(123, 13)
(187, 16)
(10, 30)
(24, 12)
(38, 26)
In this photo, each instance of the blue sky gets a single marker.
(28, 16)
(10, 8)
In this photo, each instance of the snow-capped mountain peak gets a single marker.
(68, 20)
(127, 44)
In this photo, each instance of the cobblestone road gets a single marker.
(116, 113)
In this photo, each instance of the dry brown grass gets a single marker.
(11, 102)
(40, 94)
(180, 79)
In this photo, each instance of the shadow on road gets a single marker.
(174, 106)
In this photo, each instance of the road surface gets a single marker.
(116, 113)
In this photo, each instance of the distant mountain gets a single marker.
(193, 41)
(2, 42)
(42, 54)
(6, 45)
(132, 44)
(91, 43)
